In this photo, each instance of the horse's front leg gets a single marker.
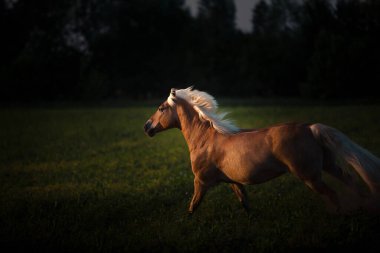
(200, 189)
(241, 194)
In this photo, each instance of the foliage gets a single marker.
(53, 50)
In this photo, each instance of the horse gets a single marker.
(221, 152)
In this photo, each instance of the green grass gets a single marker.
(89, 180)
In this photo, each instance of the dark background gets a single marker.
(77, 50)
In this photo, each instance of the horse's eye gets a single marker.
(161, 109)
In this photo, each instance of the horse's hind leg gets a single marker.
(320, 187)
(241, 194)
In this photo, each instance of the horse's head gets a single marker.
(164, 118)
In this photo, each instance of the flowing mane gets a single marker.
(206, 106)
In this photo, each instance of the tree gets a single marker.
(217, 17)
(260, 17)
(276, 60)
(344, 54)
(217, 33)
(38, 62)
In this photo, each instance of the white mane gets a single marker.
(206, 106)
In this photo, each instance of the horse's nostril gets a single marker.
(147, 125)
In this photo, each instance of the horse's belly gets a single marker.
(254, 173)
(262, 175)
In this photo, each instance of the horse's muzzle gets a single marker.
(148, 129)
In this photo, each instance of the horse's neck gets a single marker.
(193, 129)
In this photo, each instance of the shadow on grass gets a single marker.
(87, 219)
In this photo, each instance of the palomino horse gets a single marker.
(221, 152)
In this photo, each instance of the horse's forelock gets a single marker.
(171, 100)
(181, 93)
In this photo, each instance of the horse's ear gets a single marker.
(172, 92)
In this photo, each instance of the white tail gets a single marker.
(365, 164)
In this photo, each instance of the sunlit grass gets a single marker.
(90, 180)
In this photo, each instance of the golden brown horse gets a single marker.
(221, 152)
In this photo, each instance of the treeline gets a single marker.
(95, 49)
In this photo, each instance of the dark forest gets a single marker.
(71, 50)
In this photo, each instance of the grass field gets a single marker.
(89, 180)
